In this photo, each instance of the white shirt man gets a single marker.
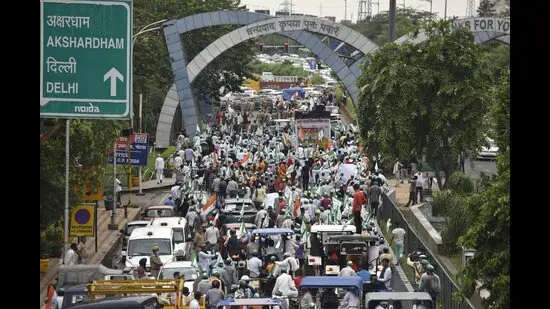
(385, 277)
(175, 192)
(70, 257)
(347, 271)
(178, 161)
(285, 284)
(159, 166)
(349, 301)
(194, 304)
(254, 265)
(212, 234)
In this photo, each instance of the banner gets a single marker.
(139, 149)
(82, 220)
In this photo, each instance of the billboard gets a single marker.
(139, 149)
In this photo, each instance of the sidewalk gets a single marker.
(106, 237)
(152, 185)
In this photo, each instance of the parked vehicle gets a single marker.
(142, 241)
(188, 271)
(182, 233)
(127, 230)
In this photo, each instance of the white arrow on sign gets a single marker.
(113, 74)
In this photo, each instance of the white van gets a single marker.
(142, 241)
(182, 234)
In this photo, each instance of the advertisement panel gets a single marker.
(139, 149)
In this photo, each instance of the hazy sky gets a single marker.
(336, 7)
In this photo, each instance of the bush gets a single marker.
(456, 224)
(168, 152)
(442, 201)
(460, 183)
(317, 79)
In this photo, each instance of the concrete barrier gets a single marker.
(425, 229)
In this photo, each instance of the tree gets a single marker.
(500, 112)
(486, 8)
(489, 234)
(426, 100)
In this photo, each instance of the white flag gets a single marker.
(198, 128)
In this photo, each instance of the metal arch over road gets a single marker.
(257, 24)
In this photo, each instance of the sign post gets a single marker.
(85, 53)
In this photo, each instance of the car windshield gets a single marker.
(155, 213)
(188, 273)
(178, 235)
(133, 227)
(145, 246)
(238, 206)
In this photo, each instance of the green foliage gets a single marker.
(436, 93)
(317, 79)
(500, 111)
(168, 152)
(489, 233)
(461, 184)
(486, 8)
(284, 68)
(407, 20)
(497, 56)
(443, 200)
(90, 141)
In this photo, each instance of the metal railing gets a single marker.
(413, 242)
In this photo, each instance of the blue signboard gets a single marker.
(139, 149)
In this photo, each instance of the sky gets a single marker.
(336, 7)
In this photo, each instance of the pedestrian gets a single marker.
(430, 283)
(385, 274)
(305, 173)
(412, 191)
(375, 193)
(358, 201)
(214, 295)
(82, 251)
(118, 190)
(205, 284)
(397, 172)
(159, 168)
(141, 272)
(198, 240)
(178, 161)
(155, 262)
(387, 255)
(419, 184)
(175, 191)
(169, 202)
(399, 238)
(212, 235)
(194, 304)
(71, 257)
(254, 265)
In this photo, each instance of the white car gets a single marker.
(188, 271)
(490, 152)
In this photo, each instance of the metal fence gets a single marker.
(413, 242)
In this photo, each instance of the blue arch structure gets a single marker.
(297, 27)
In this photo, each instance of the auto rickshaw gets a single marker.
(171, 290)
(322, 284)
(323, 232)
(354, 248)
(269, 232)
(399, 300)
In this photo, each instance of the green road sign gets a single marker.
(85, 54)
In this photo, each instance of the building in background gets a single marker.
(331, 18)
(263, 11)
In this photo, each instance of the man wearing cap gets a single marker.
(430, 283)
(205, 284)
(254, 265)
(229, 275)
(418, 266)
(155, 262)
(387, 255)
(348, 271)
(216, 277)
(284, 284)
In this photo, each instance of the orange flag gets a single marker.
(51, 302)
(243, 161)
(209, 206)
(301, 134)
(296, 206)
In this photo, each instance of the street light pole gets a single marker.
(445, 14)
